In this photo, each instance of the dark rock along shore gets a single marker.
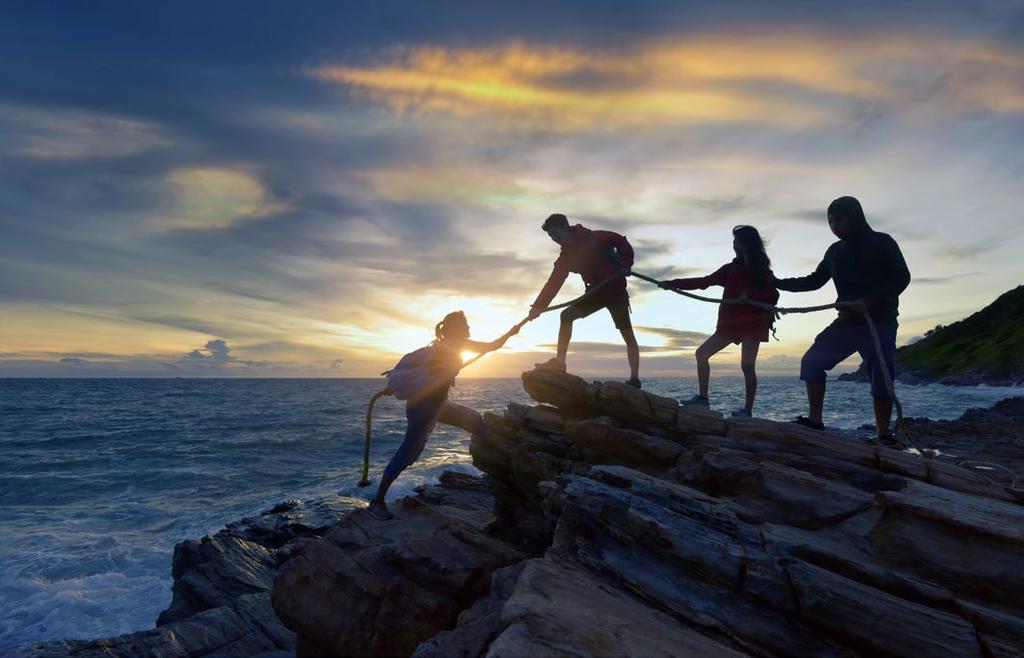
(613, 522)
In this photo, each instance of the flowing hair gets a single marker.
(758, 264)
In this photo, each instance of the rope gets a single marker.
(901, 426)
(782, 310)
(776, 310)
(365, 481)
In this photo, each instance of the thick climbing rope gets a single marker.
(365, 481)
(783, 310)
(1013, 488)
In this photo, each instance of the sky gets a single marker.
(257, 189)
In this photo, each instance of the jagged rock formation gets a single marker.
(611, 521)
(625, 525)
(221, 595)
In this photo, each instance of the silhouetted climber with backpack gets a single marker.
(595, 256)
(748, 276)
(869, 273)
(422, 378)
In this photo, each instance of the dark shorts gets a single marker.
(616, 301)
(841, 339)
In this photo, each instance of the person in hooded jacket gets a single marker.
(595, 256)
(869, 274)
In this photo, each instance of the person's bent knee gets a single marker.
(747, 367)
(568, 316)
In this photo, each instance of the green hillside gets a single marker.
(987, 347)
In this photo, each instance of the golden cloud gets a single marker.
(788, 81)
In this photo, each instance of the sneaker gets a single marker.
(807, 422)
(635, 383)
(551, 365)
(741, 413)
(696, 401)
(379, 511)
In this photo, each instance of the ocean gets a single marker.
(100, 478)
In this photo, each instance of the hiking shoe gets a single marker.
(635, 383)
(379, 511)
(551, 365)
(696, 401)
(741, 413)
(807, 422)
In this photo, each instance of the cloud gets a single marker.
(665, 82)
(70, 134)
(676, 339)
(215, 353)
(73, 361)
(940, 280)
(207, 197)
(974, 249)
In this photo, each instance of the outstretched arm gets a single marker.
(559, 273)
(482, 348)
(716, 278)
(816, 279)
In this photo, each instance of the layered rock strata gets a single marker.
(623, 524)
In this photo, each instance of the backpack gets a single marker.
(413, 376)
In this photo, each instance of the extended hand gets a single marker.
(534, 312)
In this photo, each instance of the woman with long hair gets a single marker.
(429, 404)
(747, 276)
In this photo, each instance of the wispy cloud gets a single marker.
(694, 80)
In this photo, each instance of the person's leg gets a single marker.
(883, 416)
(420, 420)
(618, 308)
(714, 344)
(836, 342)
(464, 418)
(632, 352)
(748, 357)
(815, 400)
(567, 317)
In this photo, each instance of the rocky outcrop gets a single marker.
(372, 588)
(626, 525)
(990, 438)
(221, 595)
(610, 521)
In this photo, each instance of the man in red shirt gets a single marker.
(595, 256)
